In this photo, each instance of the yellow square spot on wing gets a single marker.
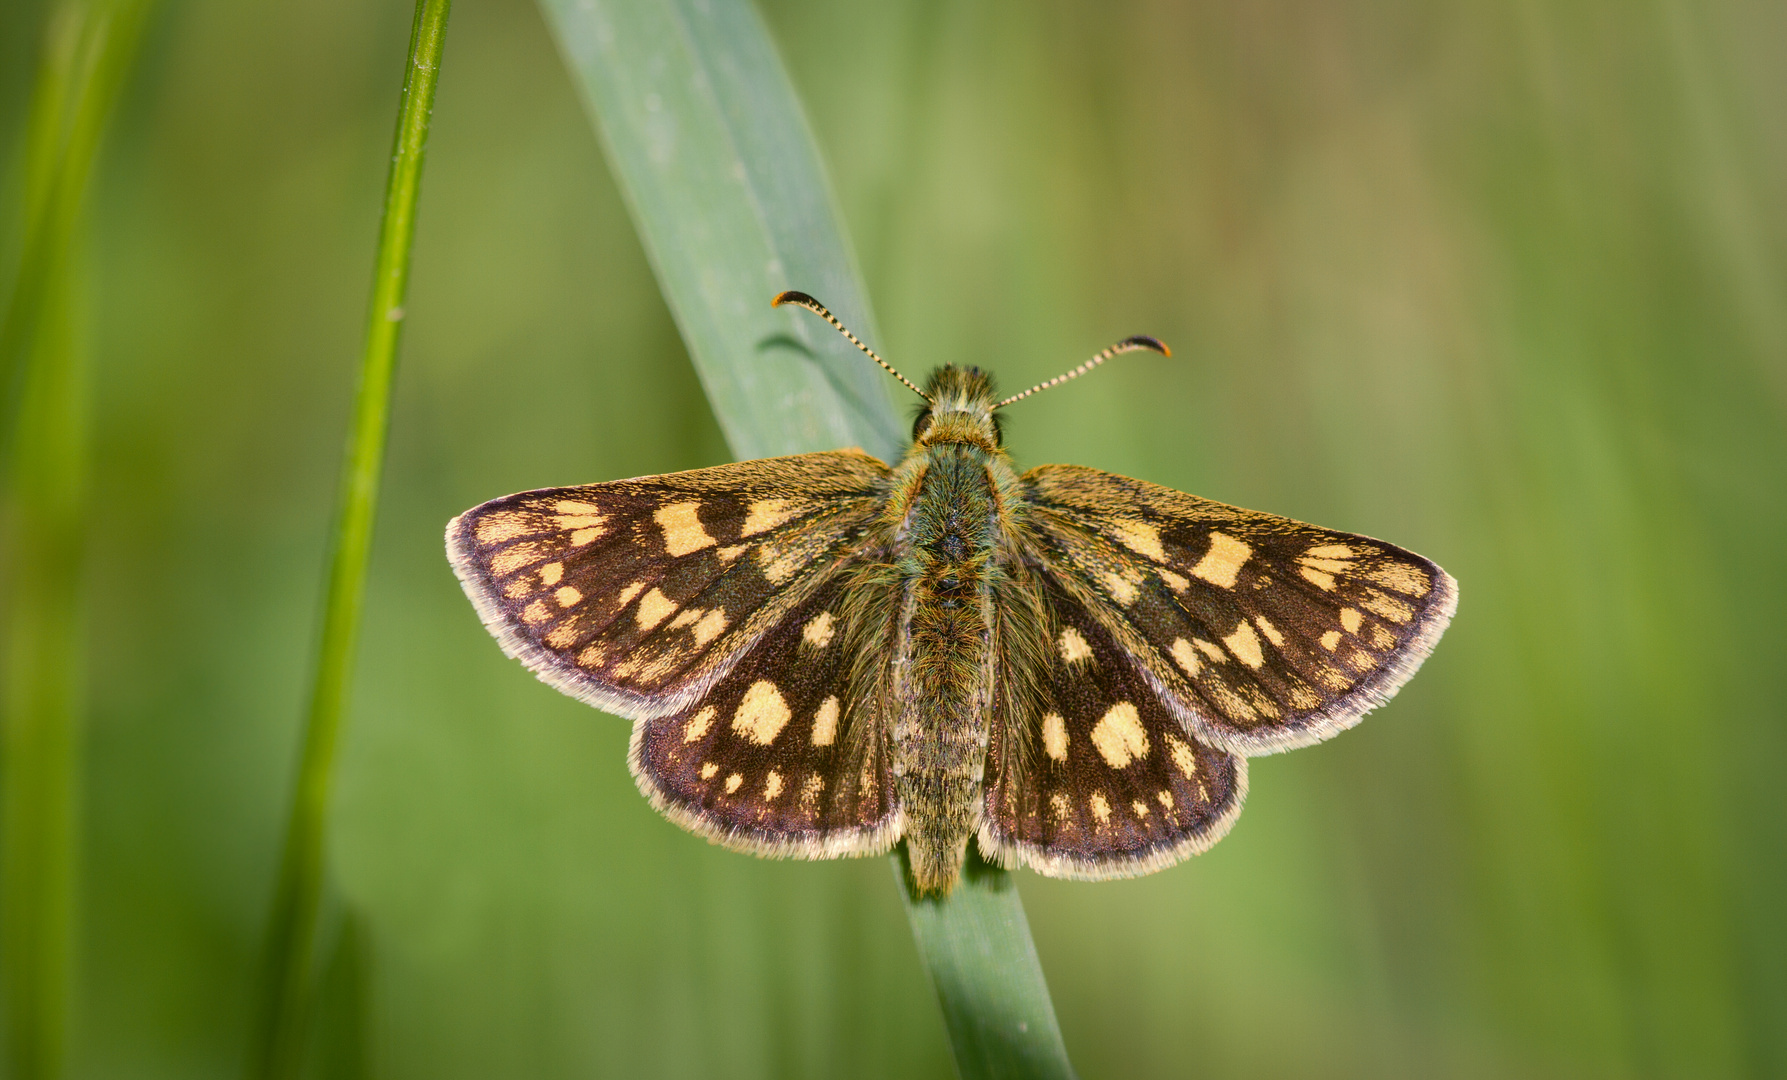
(1331, 678)
(1380, 638)
(518, 587)
(772, 786)
(585, 536)
(825, 721)
(1054, 736)
(654, 608)
(1381, 604)
(762, 714)
(536, 613)
(1139, 536)
(565, 634)
(1183, 760)
(683, 532)
(1073, 646)
(1101, 809)
(1359, 660)
(779, 562)
(1212, 650)
(1059, 805)
(1120, 587)
(1166, 798)
(1245, 644)
(708, 770)
(593, 656)
(1185, 656)
(1351, 620)
(506, 525)
(1404, 579)
(765, 514)
(699, 724)
(1261, 703)
(567, 596)
(1222, 564)
(1303, 696)
(514, 558)
(727, 554)
(551, 573)
(1321, 579)
(1174, 581)
(1271, 632)
(1331, 640)
(1330, 551)
(1227, 699)
(579, 515)
(819, 629)
(1140, 807)
(1119, 736)
(734, 782)
(711, 626)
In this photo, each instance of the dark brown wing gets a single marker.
(774, 759)
(636, 596)
(1098, 779)
(1260, 632)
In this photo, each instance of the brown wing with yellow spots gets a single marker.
(1261, 633)
(779, 757)
(637, 596)
(1098, 779)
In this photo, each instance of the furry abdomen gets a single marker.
(940, 736)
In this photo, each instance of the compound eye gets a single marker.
(921, 424)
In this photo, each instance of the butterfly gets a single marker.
(823, 655)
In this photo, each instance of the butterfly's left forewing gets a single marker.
(637, 596)
(1261, 633)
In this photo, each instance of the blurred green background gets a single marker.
(1506, 284)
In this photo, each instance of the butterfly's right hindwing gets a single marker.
(637, 595)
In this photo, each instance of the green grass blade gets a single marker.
(712, 151)
(713, 154)
(89, 50)
(295, 924)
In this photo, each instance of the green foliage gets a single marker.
(45, 399)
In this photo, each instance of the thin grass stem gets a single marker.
(294, 927)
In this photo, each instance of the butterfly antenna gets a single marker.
(1130, 344)
(801, 299)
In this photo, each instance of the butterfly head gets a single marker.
(959, 404)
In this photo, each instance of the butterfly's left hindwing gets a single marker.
(1093, 777)
(638, 595)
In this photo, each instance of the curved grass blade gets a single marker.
(295, 925)
(712, 152)
(704, 133)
